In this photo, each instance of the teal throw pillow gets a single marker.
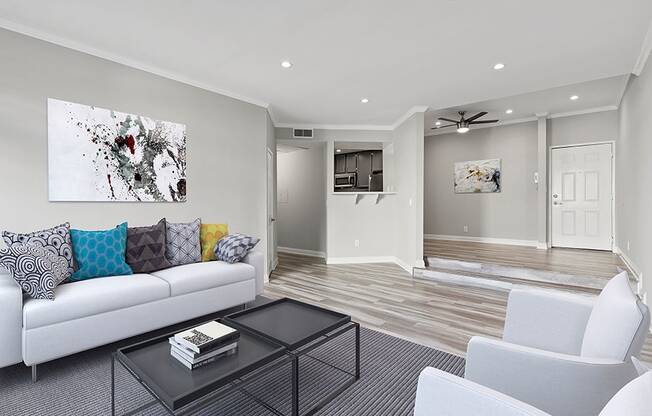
(100, 253)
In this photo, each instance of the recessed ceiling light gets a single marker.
(463, 130)
(509, 111)
(364, 100)
(574, 97)
(286, 64)
(438, 123)
(499, 66)
(338, 150)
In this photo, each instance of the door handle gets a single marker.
(557, 203)
(272, 219)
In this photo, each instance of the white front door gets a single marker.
(271, 254)
(581, 196)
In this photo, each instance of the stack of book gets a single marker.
(204, 344)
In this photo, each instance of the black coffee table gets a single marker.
(301, 328)
(271, 336)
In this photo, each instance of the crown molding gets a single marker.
(586, 111)
(643, 55)
(412, 111)
(333, 126)
(132, 63)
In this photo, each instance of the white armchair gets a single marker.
(563, 354)
(443, 394)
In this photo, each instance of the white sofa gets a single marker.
(95, 312)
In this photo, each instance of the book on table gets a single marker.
(193, 360)
(204, 344)
(207, 337)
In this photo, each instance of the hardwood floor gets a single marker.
(386, 298)
(595, 263)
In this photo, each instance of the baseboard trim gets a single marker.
(371, 259)
(505, 241)
(625, 258)
(302, 252)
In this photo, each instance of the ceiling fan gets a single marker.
(463, 124)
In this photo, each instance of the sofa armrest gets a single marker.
(546, 320)
(559, 384)
(257, 260)
(443, 394)
(11, 320)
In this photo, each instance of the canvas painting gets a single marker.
(477, 176)
(95, 154)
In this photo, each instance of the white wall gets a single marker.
(634, 176)
(585, 128)
(409, 164)
(226, 141)
(301, 218)
(509, 214)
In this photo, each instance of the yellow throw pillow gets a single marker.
(209, 235)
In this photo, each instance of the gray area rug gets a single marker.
(81, 384)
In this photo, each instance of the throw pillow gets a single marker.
(100, 253)
(36, 269)
(183, 246)
(209, 235)
(234, 247)
(146, 248)
(56, 240)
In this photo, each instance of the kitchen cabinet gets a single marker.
(376, 162)
(351, 162)
(340, 163)
(364, 169)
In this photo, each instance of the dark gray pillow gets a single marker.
(146, 248)
(36, 270)
(183, 246)
(234, 247)
(56, 240)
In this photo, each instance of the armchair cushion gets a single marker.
(616, 320)
(633, 399)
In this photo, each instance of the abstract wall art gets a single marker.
(477, 176)
(95, 154)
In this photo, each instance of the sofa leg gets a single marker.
(34, 374)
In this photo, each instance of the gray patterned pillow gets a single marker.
(146, 248)
(56, 240)
(36, 270)
(183, 246)
(234, 247)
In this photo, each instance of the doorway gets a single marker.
(581, 196)
(271, 208)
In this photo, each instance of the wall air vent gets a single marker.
(302, 133)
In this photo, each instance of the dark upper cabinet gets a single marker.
(376, 161)
(340, 163)
(364, 169)
(351, 162)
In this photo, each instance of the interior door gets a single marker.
(581, 196)
(271, 212)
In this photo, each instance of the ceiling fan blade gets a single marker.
(480, 114)
(447, 119)
(484, 121)
(441, 127)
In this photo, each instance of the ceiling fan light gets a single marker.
(462, 130)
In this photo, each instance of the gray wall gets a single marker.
(510, 214)
(226, 141)
(301, 221)
(585, 128)
(634, 176)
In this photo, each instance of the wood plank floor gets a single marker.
(386, 298)
(593, 263)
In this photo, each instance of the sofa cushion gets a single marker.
(234, 247)
(100, 253)
(36, 269)
(91, 297)
(182, 242)
(201, 276)
(209, 235)
(614, 321)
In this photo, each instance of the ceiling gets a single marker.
(437, 53)
(603, 94)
